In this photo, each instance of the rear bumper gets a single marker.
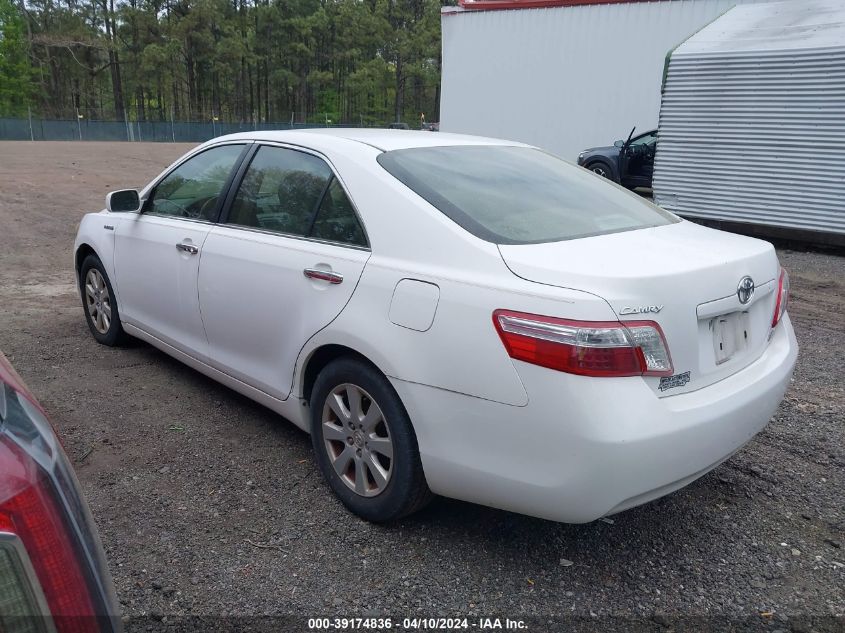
(583, 448)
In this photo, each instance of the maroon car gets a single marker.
(53, 575)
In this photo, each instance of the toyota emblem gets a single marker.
(745, 289)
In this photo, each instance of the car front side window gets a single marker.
(645, 139)
(193, 189)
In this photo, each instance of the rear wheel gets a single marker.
(364, 442)
(99, 304)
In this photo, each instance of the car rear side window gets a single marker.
(336, 220)
(519, 195)
(280, 191)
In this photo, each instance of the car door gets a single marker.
(638, 160)
(157, 251)
(281, 265)
(647, 170)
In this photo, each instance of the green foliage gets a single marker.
(17, 79)
(348, 61)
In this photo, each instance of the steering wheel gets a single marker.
(197, 210)
(207, 205)
(183, 210)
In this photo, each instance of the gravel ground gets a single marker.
(209, 504)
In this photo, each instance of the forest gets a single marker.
(362, 62)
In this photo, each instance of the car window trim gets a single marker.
(224, 192)
(319, 204)
(223, 217)
(292, 236)
(237, 179)
(643, 135)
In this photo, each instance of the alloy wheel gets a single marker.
(98, 300)
(357, 439)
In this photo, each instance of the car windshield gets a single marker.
(519, 195)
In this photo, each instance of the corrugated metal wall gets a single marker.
(564, 78)
(755, 135)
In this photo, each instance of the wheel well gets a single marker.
(322, 357)
(81, 253)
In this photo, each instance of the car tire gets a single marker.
(602, 170)
(99, 303)
(369, 457)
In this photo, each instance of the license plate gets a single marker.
(730, 335)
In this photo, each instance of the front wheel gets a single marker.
(601, 169)
(98, 302)
(364, 442)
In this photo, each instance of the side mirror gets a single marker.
(124, 201)
(618, 143)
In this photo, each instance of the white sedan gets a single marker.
(449, 315)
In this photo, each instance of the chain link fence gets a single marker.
(158, 131)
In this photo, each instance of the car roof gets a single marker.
(379, 138)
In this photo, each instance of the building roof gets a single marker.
(773, 26)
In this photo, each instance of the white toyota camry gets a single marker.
(452, 315)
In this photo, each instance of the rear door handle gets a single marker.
(188, 248)
(323, 275)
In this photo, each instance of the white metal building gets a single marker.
(565, 75)
(752, 126)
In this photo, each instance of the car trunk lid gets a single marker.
(683, 276)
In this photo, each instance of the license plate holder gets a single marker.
(730, 335)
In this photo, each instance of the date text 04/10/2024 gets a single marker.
(413, 624)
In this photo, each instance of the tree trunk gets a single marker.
(436, 105)
(114, 63)
(140, 105)
(258, 100)
(267, 91)
(192, 93)
(253, 115)
(399, 99)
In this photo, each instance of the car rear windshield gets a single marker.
(519, 195)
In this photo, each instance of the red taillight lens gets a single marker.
(31, 515)
(586, 348)
(783, 297)
(51, 562)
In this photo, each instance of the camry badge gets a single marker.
(640, 310)
(745, 290)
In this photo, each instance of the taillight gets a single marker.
(783, 297)
(52, 571)
(586, 348)
(34, 518)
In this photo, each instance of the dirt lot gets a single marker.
(210, 504)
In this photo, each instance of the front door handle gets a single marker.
(323, 275)
(188, 248)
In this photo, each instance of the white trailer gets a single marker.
(752, 122)
(562, 74)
